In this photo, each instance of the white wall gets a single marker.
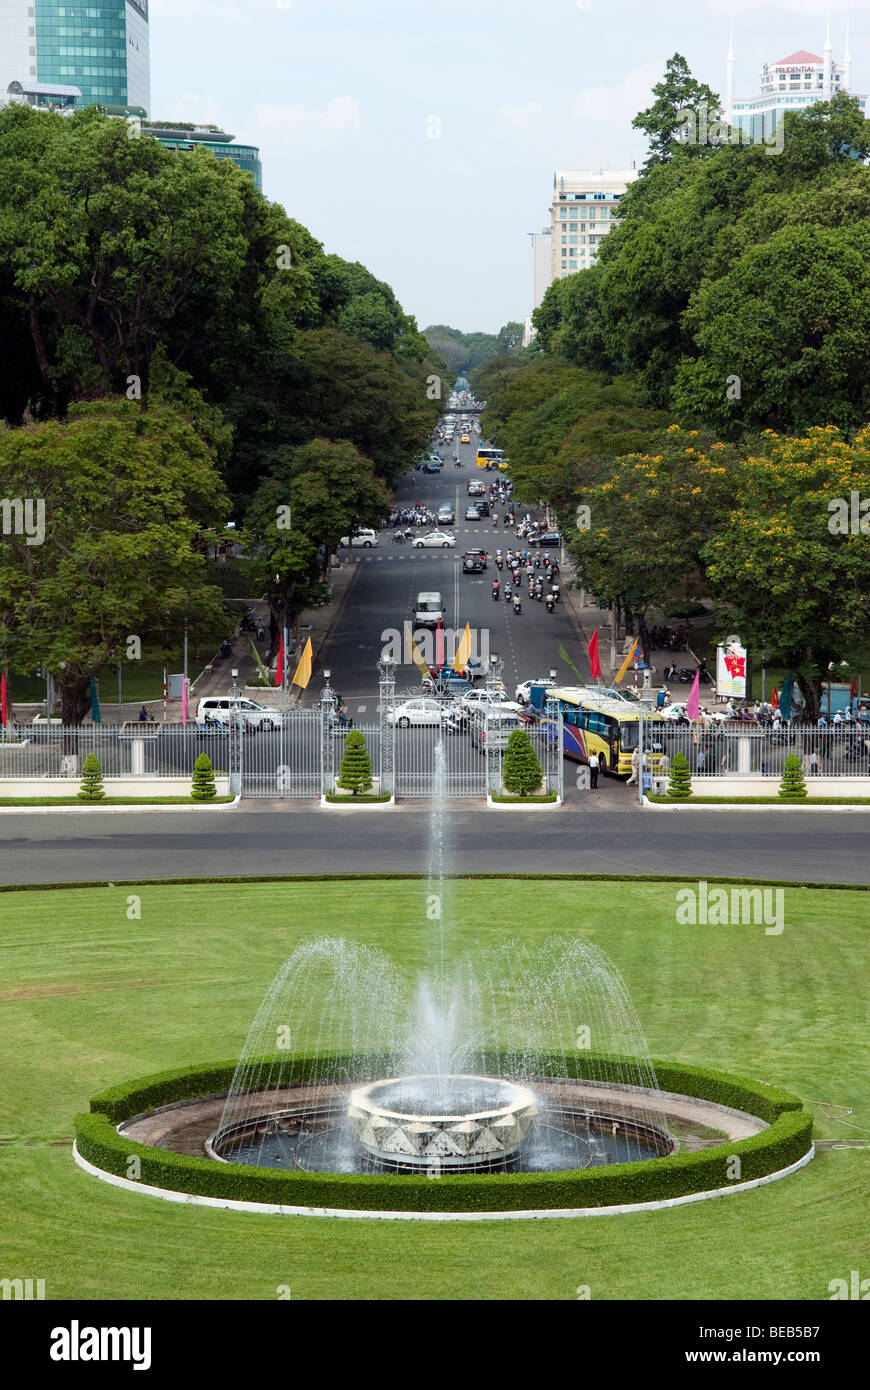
(138, 60)
(16, 62)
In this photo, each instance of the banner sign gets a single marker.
(731, 669)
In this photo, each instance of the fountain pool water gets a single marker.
(522, 1057)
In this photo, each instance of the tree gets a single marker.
(203, 786)
(92, 780)
(124, 497)
(792, 787)
(679, 779)
(355, 773)
(316, 494)
(678, 92)
(792, 563)
(522, 773)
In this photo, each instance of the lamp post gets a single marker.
(234, 692)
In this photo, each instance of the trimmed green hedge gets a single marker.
(810, 802)
(508, 800)
(786, 1140)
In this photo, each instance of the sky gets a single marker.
(421, 138)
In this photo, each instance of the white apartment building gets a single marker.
(585, 207)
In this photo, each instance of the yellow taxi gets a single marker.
(465, 438)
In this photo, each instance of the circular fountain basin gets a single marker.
(448, 1122)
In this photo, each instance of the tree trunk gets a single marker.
(812, 693)
(75, 699)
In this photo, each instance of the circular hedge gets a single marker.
(787, 1139)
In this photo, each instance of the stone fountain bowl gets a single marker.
(447, 1121)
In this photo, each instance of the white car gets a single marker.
(420, 711)
(482, 699)
(365, 537)
(444, 539)
(678, 712)
(226, 709)
(524, 691)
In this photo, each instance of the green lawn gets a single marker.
(90, 998)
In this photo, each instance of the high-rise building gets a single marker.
(585, 207)
(99, 46)
(185, 138)
(791, 84)
(542, 274)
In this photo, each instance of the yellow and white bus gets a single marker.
(490, 458)
(593, 723)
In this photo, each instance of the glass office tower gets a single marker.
(100, 46)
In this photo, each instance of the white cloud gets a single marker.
(301, 127)
(528, 117)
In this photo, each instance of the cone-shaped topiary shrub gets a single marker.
(521, 772)
(792, 787)
(355, 773)
(680, 779)
(92, 779)
(203, 788)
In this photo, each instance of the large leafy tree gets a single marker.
(793, 573)
(127, 496)
(316, 494)
(661, 122)
(651, 516)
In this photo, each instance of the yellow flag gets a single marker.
(416, 654)
(303, 670)
(463, 651)
(627, 662)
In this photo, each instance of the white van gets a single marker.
(365, 537)
(429, 610)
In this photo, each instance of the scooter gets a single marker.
(551, 607)
(508, 592)
(557, 593)
(518, 606)
(498, 562)
(496, 589)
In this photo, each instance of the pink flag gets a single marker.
(184, 699)
(693, 704)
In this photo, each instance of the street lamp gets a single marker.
(235, 675)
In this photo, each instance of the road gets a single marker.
(259, 839)
(391, 575)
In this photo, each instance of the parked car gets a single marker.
(227, 709)
(444, 539)
(365, 537)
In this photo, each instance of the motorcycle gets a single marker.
(496, 589)
(499, 562)
(518, 606)
(557, 593)
(686, 676)
(551, 607)
(508, 592)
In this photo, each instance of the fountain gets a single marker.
(473, 1069)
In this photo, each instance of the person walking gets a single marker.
(635, 768)
(701, 762)
(593, 770)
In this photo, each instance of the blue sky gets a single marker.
(344, 98)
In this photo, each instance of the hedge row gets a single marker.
(511, 876)
(785, 1141)
(809, 803)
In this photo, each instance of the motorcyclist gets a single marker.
(550, 603)
(496, 588)
(518, 607)
(508, 592)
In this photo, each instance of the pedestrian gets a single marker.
(701, 762)
(144, 716)
(814, 763)
(635, 768)
(593, 770)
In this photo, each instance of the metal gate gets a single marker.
(285, 762)
(459, 771)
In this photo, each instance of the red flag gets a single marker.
(279, 673)
(774, 699)
(3, 696)
(594, 663)
(852, 693)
